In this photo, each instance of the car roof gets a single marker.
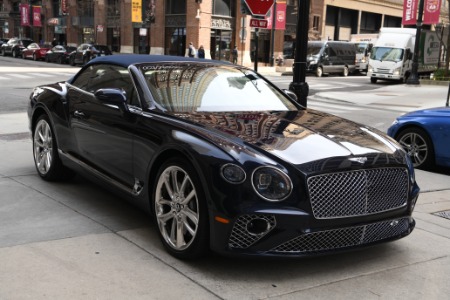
(126, 60)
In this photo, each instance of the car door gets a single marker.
(103, 132)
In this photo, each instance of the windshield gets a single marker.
(386, 54)
(313, 49)
(184, 87)
(361, 47)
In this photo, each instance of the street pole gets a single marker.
(414, 78)
(298, 85)
(255, 58)
(274, 12)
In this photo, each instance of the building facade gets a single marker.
(168, 26)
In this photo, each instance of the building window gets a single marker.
(316, 23)
(175, 7)
(224, 8)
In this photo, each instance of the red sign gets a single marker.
(409, 12)
(24, 14)
(259, 7)
(431, 11)
(37, 16)
(280, 18)
(64, 8)
(258, 23)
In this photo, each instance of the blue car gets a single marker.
(425, 135)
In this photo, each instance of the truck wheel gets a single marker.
(373, 80)
(319, 72)
(345, 72)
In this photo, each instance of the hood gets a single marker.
(298, 136)
(429, 112)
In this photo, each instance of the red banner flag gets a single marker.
(280, 18)
(37, 16)
(24, 14)
(431, 11)
(409, 12)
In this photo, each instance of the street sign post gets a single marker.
(259, 7)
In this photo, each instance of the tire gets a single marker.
(45, 152)
(319, 72)
(345, 72)
(373, 80)
(85, 60)
(34, 57)
(60, 60)
(46, 59)
(72, 61)
(419, 147)
(15, 53)
(182, 224)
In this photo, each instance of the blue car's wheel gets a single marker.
(180, 210)
(418, 145)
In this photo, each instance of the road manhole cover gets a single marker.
(443, 214)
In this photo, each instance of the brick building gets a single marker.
(168, 26)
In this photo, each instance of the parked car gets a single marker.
(86, 52)
(35, 52)
(222, 158)
(3, 41)
(59, 54)
(425, 136)
(15, 46)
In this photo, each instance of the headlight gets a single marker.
(271, 184)
(233, 173)
(397, 71)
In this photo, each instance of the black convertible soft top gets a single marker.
(126, 60)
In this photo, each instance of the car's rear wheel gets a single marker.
(72, 61)
(15, 53)
(180, 210)
(34, 57)
(418, 145)
(373, 80)
(45, 152)
(46, 59)
(319, 72)
(60, 60)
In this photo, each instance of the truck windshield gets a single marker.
(361, 47)
(386, 53)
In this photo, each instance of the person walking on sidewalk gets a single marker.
(191, 50)
(234, 54)
(201, 52)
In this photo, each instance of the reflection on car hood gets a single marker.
(298, 136)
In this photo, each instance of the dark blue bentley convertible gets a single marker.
(223, 159)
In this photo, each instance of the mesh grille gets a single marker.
(344, 237)
(241, 238)
(357, 193)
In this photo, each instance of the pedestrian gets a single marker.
(234, 54)
(191, 51)
(201, 52)
(54, 42)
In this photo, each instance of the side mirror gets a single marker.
(112, 96)
(408, 54)
(291, 95)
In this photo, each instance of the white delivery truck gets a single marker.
(364, 43)
(392, 55)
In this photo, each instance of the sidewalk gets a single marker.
(401, 97)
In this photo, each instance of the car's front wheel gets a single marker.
(319, 72)
(180, 210)
(418, 145)
(45, 152)
(373, 80)
(345, 72)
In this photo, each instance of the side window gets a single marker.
(82, 81)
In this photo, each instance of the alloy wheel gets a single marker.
(43, 147)
(416, 146)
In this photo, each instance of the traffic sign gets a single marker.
(258, 23)
(259, 7)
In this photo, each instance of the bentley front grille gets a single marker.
(316, 242)
(358, 193)
(249, 229)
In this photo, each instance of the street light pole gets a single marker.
(298, 85)
(414, 78)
